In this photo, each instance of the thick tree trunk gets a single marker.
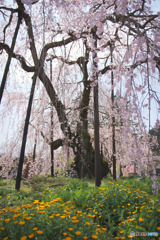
(84, 155)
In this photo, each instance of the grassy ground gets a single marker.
(64, 208)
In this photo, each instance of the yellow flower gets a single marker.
(94, 236)
(141, 219)
(28, 218)
(62, 217)
(79, 212)
(36, 201)
(5, 238)
(158, 210)
(88, 223)
(104, 229)
(117, 237)
(70, 229)
(64, 234)
(85, 237)
(78, 233)
(2, 228)
(39, 232)
(51, 217)
(68, 238)
(7, 220)
(114, 210)
(122, 237)
(21, 223)
(158, 228)
(68, 213)
(5, 210)
(72, 207)
(35, 228)
(41, 211)
(57, 215)
(122, 231)
(31, 235)
(23, 238)
(75, 221)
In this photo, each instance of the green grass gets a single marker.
(63, 208)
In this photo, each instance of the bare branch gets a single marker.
(20, 58)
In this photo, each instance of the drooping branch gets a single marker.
(55, 44)
(20, 58)
(10, 56)
(10, 19)
(129, 67)
(55, 144)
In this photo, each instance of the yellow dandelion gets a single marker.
(64, 234)
(39, 232)
(23, 238)
(72, 207)
(94, 236)
(85, 237)
(41, 211)
(62, 217)
(70, 229)
(7, 220)
(122, 231)
(87, 223)
(78, 233)
(31, 235)
(68, 238)
(104, 229)
(75, 221)
(57, 215)
(35, 228)
(141, 219)
(51, 217)
(68, 213)
(21, 223)
(150, 210)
